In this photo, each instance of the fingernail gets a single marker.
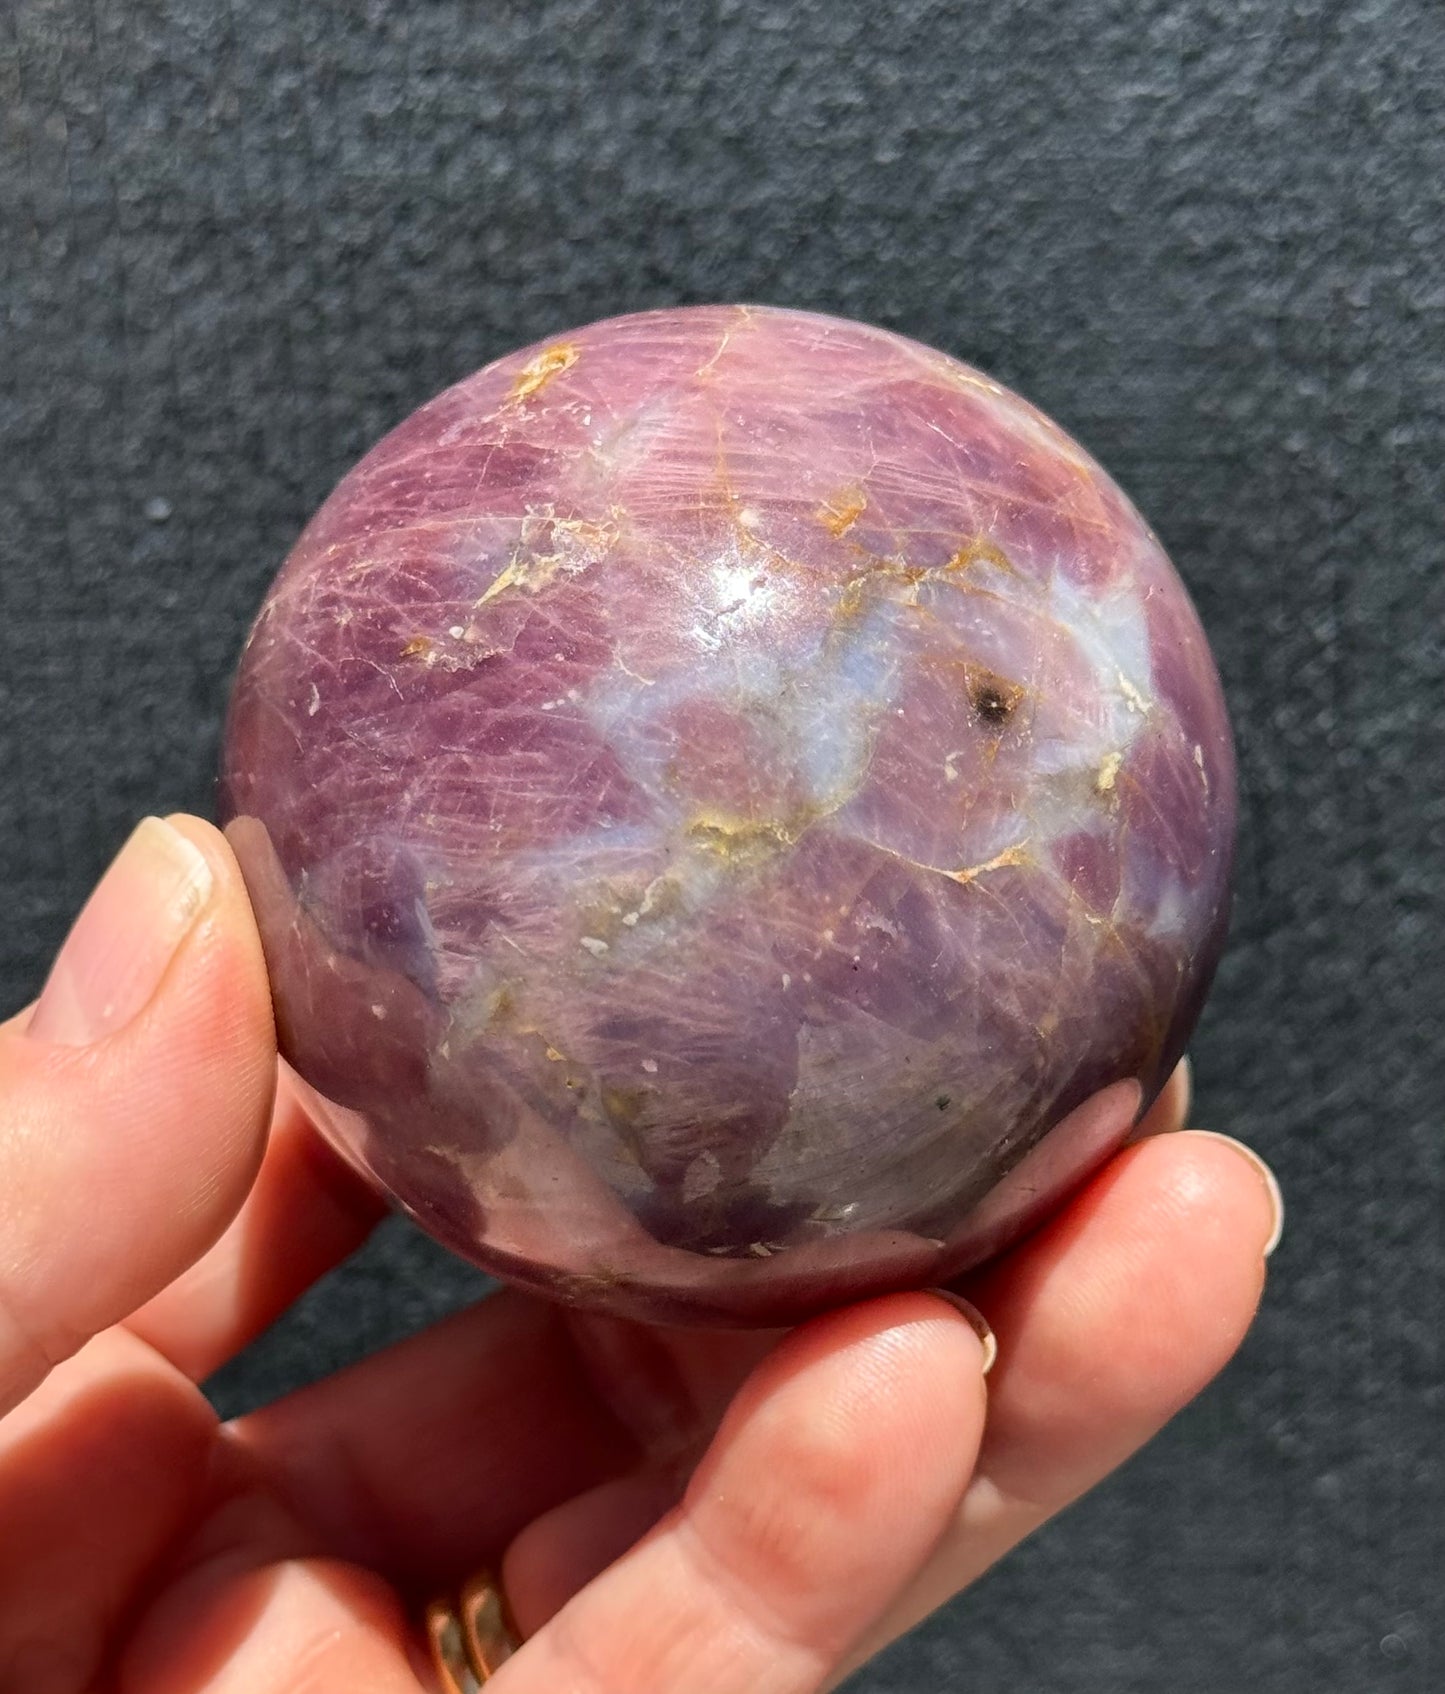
(1169, 1110)
(127, 932)
(1270, 1180)
(1185, 1071)
(977, 1322)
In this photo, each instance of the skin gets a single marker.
(671, 1510)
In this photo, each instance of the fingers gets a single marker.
(384, 1460)
(257, 1610)
(833, 1473)
(569, 1401)
(1122, 1311)
(1108, 1321)
(303, 1627)
(100, 1470)
(306, 1211)
(258, 1613)
(428, 1457)
(134, 1097)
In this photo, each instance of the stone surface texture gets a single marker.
(739, 808)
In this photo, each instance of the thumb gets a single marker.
(134, 1097)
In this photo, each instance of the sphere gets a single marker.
(738, 807)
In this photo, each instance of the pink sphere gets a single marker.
(739, 809)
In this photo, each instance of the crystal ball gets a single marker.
(738, 807)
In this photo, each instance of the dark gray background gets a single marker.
(240, 241)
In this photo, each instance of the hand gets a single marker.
(675, 1512)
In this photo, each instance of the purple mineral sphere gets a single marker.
(739, 811)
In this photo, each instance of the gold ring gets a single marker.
(472, 1637)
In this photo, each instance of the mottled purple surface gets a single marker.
(739, 808)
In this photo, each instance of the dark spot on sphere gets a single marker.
(992, 705)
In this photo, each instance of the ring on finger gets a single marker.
(472, 1636)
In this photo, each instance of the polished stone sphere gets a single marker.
(739, 811)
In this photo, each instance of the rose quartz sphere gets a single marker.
(739, 810)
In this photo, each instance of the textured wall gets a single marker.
(238, 242)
